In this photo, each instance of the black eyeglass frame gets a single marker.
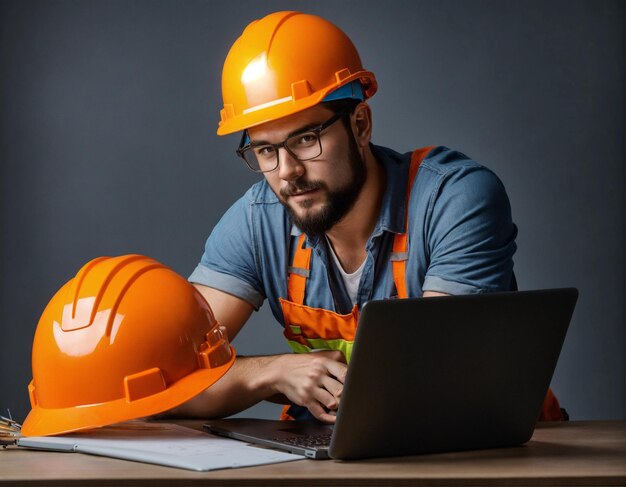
(242, 149)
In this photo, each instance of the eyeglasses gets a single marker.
(302, 146)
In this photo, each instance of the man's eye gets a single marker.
(264, 151)
(306, 139)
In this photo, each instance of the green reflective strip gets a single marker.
(295, 329)
(344, 346)
(298, 347)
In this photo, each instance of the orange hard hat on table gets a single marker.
(127, 337)
(284, 63)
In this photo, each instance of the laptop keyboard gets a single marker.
(321, 440)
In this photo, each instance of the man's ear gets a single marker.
(362, 124)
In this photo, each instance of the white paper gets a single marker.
(163, 444)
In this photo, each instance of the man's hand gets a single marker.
(313, 380)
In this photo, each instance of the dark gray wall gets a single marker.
(109, 110)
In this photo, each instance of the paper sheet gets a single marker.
(162, 444)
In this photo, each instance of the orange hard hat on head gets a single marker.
(284, 63)
(127, 337)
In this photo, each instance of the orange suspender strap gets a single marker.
(400, 252)
(299, 272)
(551, 409)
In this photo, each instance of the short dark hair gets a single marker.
(347, 104)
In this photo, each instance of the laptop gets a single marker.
(434, 375)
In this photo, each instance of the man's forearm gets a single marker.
(305, 379)
(249, 381)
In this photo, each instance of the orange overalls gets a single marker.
(308, 329)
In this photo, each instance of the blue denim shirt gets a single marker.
(461, 239)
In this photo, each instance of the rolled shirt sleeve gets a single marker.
(471, 236)
(229, 261)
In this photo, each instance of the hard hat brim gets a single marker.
(43, 422)
(272, 112)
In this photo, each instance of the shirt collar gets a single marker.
(392, 216)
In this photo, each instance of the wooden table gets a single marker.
(575, 453)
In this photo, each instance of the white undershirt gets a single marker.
(351, 281)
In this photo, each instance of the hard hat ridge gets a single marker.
(85, 296)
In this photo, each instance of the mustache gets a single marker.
(293, 189)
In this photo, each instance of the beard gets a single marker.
(339, 201)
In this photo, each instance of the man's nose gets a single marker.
(289, 167)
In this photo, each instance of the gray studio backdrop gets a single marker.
(109, 111)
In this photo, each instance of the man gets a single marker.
(336, 221)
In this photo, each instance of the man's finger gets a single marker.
(337, 370)
(325, 398)
(333, 386)
(319, 413)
